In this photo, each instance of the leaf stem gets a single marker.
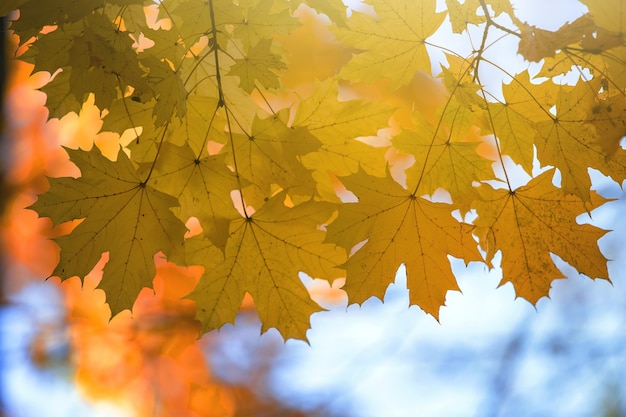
(481, 49)
(126, 109)
(491, 22)
(158, 151)
(222, 103)
(495, 139)
(215, 48)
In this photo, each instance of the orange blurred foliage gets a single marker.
(150, 353)
(148, 358)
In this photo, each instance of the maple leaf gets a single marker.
(337, 126)
(564, 140)
(130, 16)
(122, 215)
(262, 20)
(531, 222)
(400, 228)
(263, 256)
(571, 146)
(202, 184)
(503, 6)
(268, 156)
(53, 50)
(168, 45)
(459, 80)
(172, 92)
(258, 64)
(201, 125)
(192, 19)
(463, 14)
(610, 14)
(231, 130)
(130, 113)
(393, 43)
(443, 159)
(536, 44)
(34, 14)
(513, 121)
(59, 98)
(104, 63)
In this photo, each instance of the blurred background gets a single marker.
(490, 355)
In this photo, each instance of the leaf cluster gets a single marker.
(330, 162)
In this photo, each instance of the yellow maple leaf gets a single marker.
(263, 256)
(609, 14)
(462, 14)
(258, 64)
(202, 183)
(399, 228)
(270, 155)
(190, 19)
(513, 121)
(560, 118)
(566, 143)
(536, 44)
(262, 20)
(392, 44)
(530, 223)
(337, 125)
(443, 159)
(122, 215)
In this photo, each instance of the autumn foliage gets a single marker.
(252, 141)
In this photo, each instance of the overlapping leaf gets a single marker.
(202, 184)
(263, 256)
(337, 126)
(392, 44)
(221, 139)
(122, 215)
(443, 159)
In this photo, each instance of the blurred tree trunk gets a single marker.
(4, 188)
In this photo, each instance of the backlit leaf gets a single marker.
(399, 228)
(122, 215)
(263, 257)
(285, 134)
(392, 44)
(528, 224)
